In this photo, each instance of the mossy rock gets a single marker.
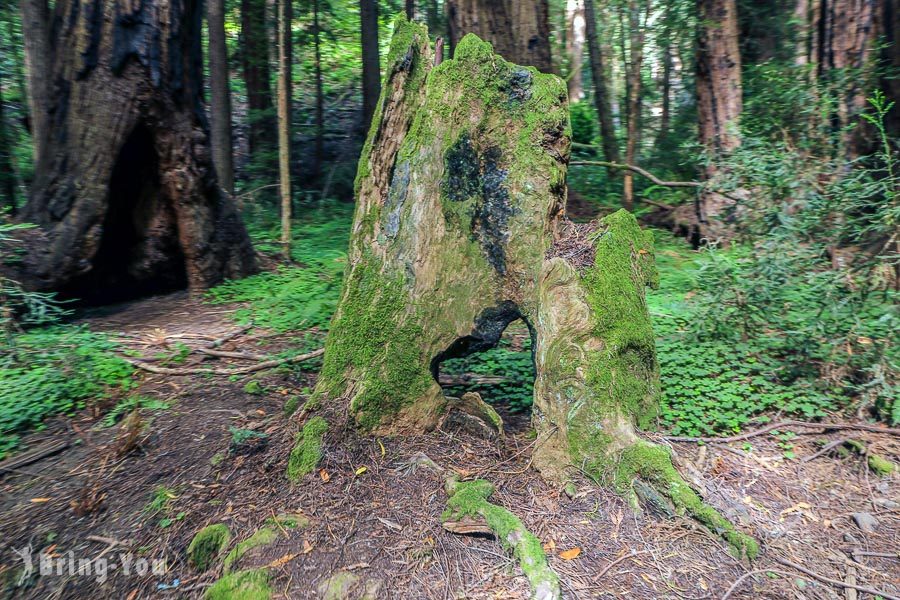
(263, 537)
(207, 545)
(880, 465)
(251, 584)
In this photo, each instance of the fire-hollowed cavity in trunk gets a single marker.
(457, 232)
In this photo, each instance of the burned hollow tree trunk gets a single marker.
(125, 192)
(459, 230)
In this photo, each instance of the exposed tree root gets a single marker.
(835, 582)
(468, 503)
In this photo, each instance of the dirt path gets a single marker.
(381, 525)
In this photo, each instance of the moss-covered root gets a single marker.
(263, 537)
(307, 450)
(469, 499)
(207, 545)
(653, 465)
(251, 584)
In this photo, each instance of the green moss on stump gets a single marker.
(263, 537)
(470, 499)
(653, 464)
(307, 451)
(207, 545)
(252, 584)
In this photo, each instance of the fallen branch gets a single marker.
(469, 379)
(825, 450)
(785, 424)
(266, 364)
(33, 456)
(639, 171)
(835, 582)
(224, 354)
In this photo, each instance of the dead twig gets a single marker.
(825, 450)
(785, 424)
(639, 171)
(742, 578)
(835, 582)
(606, 569)
(266, 364)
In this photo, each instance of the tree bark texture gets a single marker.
(459, 230)
(719, 105)
(125, 191)
(518, 29)
(368, 12)
(7, 173)
(601, 86)
(575, 47)
(285, 56)
(257, 77)
(36, 32)
(635, 63)
(220, 96)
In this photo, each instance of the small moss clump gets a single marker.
(252, 584)
(880, 466)
(263, 537)
(291, 405)
(653, 464)
(207, 545)
(469, 498)
(307, 451)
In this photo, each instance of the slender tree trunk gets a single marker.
(665, 117)
(125, 191)
(285, 19)
(257, 78)
(36, 31)
(371, 75)
(518, 29)
(719, 106)
(801, 32)
(410, 10)
(636, 54)
(7, 173)
(220, 96)
(601, 88)
(320, 99)
(575, 47)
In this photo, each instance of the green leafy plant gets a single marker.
(132, 403)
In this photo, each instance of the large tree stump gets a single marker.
(459, 230)
(125, 192)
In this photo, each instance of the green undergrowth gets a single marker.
(250, 584)
(717, 382)
(299, 296)
(52, 371)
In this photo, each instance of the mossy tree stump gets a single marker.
(457, 233)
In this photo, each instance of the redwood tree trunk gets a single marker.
(285, 60)
(601, 87)
(518, 29)
(36, 31)
(575, 47)
(258, 77)
(719, 105)
(636, 61)
(458, 232)
(125, 191)
(220, 96)
(371, 75)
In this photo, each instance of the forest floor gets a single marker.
(378, 530)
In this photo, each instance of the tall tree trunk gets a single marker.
(601, 88)
(439, 265)
(7, 173)
(801, 32)
(220, 96)
(665, 117)
(518, 29)
(719, 106)
(125, 191)
(636, 56)
(320, 94)
(410, 9)
(371, 75)
(36, 31)
(258, 79)
(889, 30)
(285, 55)
(575, 47)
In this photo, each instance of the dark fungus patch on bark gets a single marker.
(468, 175)
(396, 198)
(518, 86)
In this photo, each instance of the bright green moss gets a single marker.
(207, 545)
(469, 498)
(880, 466)
(624, 374)
(291, 405)
(371, 328)
(251, 584)
(307, 450)
(653, 464)
(263, 537)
